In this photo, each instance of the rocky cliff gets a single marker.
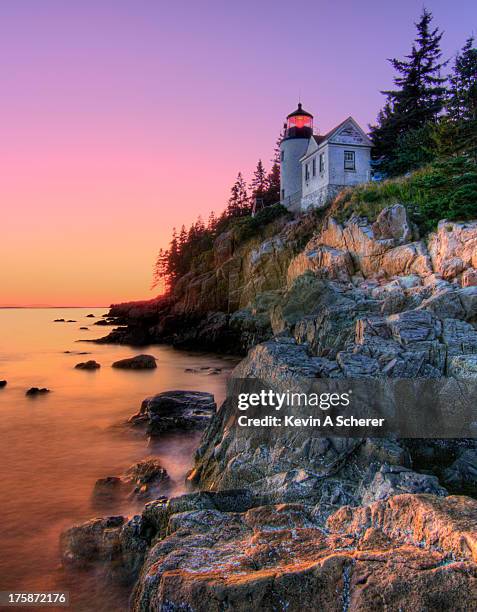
(296, 521)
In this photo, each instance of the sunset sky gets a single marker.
(123, 118)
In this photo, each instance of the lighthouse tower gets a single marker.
(298, 131)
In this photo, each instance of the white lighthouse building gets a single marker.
(314, 168)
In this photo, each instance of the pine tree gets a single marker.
(277, 151)
(159, 274)
(272, 192)
(182, 237)
(419, 95)
(462, 99)
(212, 222)
(238, 203)
(258, 184)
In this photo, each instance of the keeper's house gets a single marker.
(315, 168)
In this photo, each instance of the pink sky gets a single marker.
(123, 118)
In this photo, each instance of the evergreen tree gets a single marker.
(458, 134)
(258, 184)
(238, 203)
(212, 222)
(419, 95)
(272, 192)
(462, 99)
(182, 237)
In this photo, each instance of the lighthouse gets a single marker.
(298, 131)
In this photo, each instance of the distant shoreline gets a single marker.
(46, 307)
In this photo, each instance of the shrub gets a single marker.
(446, 189)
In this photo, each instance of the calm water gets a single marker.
(54, 447)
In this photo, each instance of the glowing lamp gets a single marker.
(299, 124)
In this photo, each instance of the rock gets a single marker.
(84, 328)
(176, 410)
(324, 261)
(143, 481)
(107, 491)
(413, 326)
(469, 278)
(395, 480)
(408, 553)
(447, 524)
(468, 297)
(148, 479)
(71, 321)
(95, 540)
(3, 383)
(463, 471)
(208, 371)
(37, 391)
(451, 244)
(411, 258)
(90, 316)
(392, 296)
(59, 321)
(354, 365)
(392, 222)
(139, 362)
(88, 365)
(463, 367)
(444, 304)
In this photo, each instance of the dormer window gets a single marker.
(349, 160)
(313, 167)
(307, 172)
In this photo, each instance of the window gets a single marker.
(322, 162)
(349, 160)
(282, 155)
(307, 172)
(283, 194)
(314, 166)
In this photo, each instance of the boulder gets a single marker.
(90, 316)
(411, 258)
(88, 365)
(447, 524)
(392, 480)
(3, 383)
(469, 278)
(468, 298)
(143, 481)
(463, 367)
(412, 552)
(324, 261)
(453, 248)
(392, 222)
(445, 303)
(148, 479)
(139, 362)
(462, 473)
(176, 410)
(33, 391)
(107, 491)
(95, 540)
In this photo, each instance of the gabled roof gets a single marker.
(320, 139)
(338, 128)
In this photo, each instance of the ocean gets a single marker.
(55, 446)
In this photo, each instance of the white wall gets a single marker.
(342, 177)
(290, 166)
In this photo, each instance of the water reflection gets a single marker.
(55, 446)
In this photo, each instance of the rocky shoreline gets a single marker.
(297, 521)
